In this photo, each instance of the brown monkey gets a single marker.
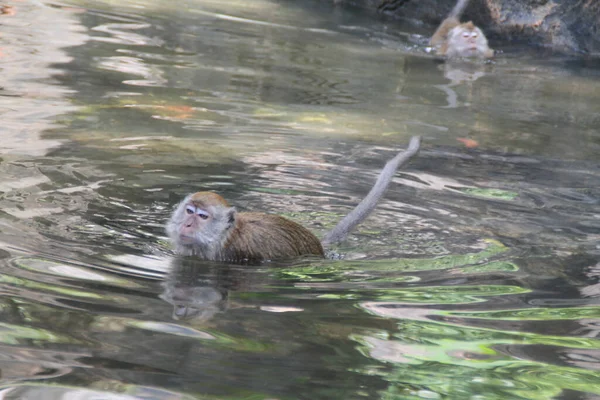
(453, 39)
(204, 225)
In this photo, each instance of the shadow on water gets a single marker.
(478, 276)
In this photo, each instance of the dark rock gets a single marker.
(571, 26)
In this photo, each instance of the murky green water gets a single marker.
(478, 277)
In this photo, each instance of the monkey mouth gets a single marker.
(471, 51)
(186, 239)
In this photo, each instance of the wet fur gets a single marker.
(206, 241)
(446, 39)
(240, 237)
(452, 47)
(439, 39)
(223, 234)
(258, 236)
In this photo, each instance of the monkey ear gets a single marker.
(230, 217)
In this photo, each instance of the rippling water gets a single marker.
(478, 277)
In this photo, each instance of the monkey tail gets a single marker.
(458, 9)
(368, 204)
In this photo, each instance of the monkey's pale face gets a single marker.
(200, 224)
(194, 222)
(470, 39)
(467, 42)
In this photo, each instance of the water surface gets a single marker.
(476, 278)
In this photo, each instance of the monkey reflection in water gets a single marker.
(198, 291)
(455, 40)
(205, 226)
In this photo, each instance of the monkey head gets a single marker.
(467, 40)
(200, 224)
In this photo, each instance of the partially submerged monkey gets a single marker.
(453, 39)
(204, 225)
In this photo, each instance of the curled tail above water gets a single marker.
(368, 204)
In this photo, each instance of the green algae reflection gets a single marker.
(328, 271)
(535, 314)
(490, 193)
(207, 336)
(445, 360)
(16, 334)
(431, 294)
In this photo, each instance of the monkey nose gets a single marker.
(180, 311)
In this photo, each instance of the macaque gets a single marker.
(453, 39)
(204, 225)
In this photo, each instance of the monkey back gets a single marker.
(260, 237)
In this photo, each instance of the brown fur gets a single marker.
(204, 225)
(205, 199)
(447, 38)
(259, 236)
(440, 37)
(456, 46)
(226, 235)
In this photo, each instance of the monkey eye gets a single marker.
(466, 34)
(474, 34)
(190, 209)
(202, 214)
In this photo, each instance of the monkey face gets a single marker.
(467, 40)
(195, 220)
(470, 40)
(201, 222)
